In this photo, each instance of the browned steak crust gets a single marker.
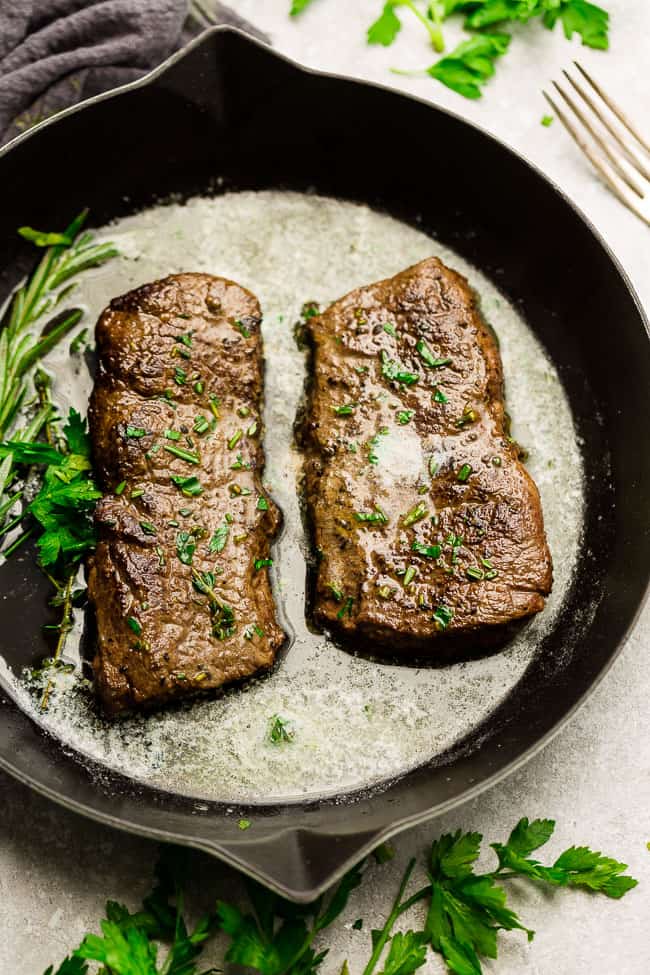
(462, 552)
(180, 369)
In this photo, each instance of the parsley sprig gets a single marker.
(464, 913)
(471, 64)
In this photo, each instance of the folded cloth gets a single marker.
(54, 53)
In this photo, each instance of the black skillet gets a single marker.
(228, 108)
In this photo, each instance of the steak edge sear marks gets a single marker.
(428, 530)
(179, 579)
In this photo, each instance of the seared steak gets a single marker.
(428, 530)
(179, 580)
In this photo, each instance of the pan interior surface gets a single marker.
(357, 723)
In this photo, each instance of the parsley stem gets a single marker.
(396, 910)
(433, 30)
(436, 34)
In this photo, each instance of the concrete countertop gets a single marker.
(57, 870)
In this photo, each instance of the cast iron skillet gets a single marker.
(231, 110)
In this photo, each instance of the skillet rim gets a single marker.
(229, 851)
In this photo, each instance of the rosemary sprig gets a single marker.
(22, 347)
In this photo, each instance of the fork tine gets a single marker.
(611, 104)
(616, 185)
(616, 162)
(641, 166)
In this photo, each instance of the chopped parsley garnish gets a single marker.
(346, 410)
(429, 551)
(185, 547)
(183, 454)
(439, 396)
(237, 491)
(253, 630)
(240, 464)
(136, 432)
(428, 357)
(409, 576)
(443, 616)
(336, 591)
(262, 503)
(241, 328)
(469, 415)
(219, 539)
(417, 513)
(280, 731)
(376, 517)
(148, 528)
(464, 473)
(547, 120)
(244, 824)
(405, 416)
(134, 625)
(390, 329)
(475, 573)
(189, 486)
(346, 609)
(393, 370)
(180, 376)
(201, 425)
(234, 440)
(262, 564)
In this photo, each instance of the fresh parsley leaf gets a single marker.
(76, 434)
(407, 952)
(298, 6)
(461, 958)
(124, 950)
(69, 966)
(527, 837)
(63, 508)
(578, 16)
(491, 12)
(386, 28)
(471, 64)
(576, 867)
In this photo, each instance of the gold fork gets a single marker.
(608, 139)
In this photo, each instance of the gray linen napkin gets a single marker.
(54, 53)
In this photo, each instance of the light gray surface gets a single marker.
(56, 870)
